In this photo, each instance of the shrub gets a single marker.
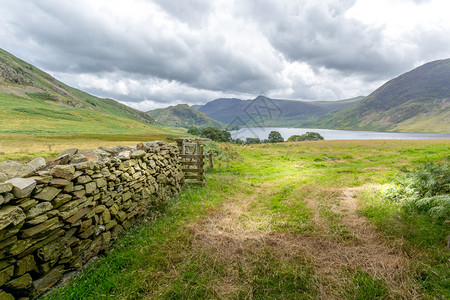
(221, 153)
(424, 190)
(238, 141)
(252, 141)
(308, 136)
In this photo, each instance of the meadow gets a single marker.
(30, 127)
(306, 220)
(24, 147)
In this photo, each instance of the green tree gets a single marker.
(295, 138)
(226, 136)
(275, 137)
(193, 130)
(212, 133)
(216, 134)
(313, 136)
(309, 136)
(252, 141)
(238, 141)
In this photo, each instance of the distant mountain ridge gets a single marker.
(416, 101)
(264, 111)
(182, 115)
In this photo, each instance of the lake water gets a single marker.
(330, 134)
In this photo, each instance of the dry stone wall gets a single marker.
(56, 216)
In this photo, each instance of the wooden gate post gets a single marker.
(201, 166)
(211, 161)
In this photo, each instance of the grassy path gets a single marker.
(284, 222)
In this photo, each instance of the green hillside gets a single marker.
(32, 101)
(417, 101)
(264, 111)
(182, 115)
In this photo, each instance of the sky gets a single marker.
(155, 53)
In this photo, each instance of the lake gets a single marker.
(330, 134)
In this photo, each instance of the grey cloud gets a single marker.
(319, 32)
(82, 44)
(193, 12)
(197, 49)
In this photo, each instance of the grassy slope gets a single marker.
(39, 114)
(22, 79)
(31, 128)
(182, 115)
(417, 101)
(433, 119)
(35, 116)
(277, 225)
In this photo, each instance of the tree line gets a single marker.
(221, 135)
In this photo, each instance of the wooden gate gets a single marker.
(192, 162)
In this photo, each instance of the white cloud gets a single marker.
(150, 54)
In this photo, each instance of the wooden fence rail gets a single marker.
(192, 162)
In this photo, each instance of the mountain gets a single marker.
(32, 101)
(416, 101)
(264, 111)
(182, 115)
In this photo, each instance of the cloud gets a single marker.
(154, 53)
(143, 93)
(319, 33)
(193, 12)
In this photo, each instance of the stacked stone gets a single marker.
(60, 217)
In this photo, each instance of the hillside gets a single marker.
(34, 102)
(264, 111)
(416, 101)
(182, 115)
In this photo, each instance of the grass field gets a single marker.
(24, 147)
(32, 127)
(301, 220)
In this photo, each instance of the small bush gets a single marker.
(424, 190)
(222, 153)
(252, 141)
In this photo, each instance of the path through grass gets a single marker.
(283, 223)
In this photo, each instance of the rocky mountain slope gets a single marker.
(416, 101)
(264, 111)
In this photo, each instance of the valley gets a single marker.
(282, 222)
(298, 220)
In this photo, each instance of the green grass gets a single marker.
(362, 286)
(29, 84)
(421, 237)
(32, 127)
(269, 225)
(35, 116)
(24, 147)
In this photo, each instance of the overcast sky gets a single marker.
(150, 54)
